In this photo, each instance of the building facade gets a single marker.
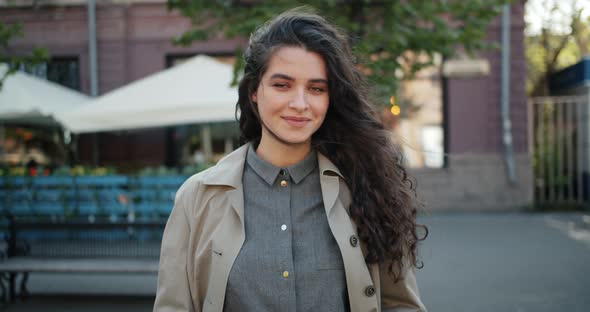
(134, 41)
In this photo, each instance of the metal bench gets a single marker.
(88, 224)
(77, 247)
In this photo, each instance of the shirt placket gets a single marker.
(284, 226)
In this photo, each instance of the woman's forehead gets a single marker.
(298, 63)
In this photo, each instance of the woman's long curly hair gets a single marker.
(384, 203)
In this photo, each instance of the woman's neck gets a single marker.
(280, 154)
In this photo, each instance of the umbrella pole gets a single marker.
(207, 142)
(95, 151)
(2, 143)
(70, 144)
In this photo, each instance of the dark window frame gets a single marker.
(75, 83)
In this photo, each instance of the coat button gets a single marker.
(370, 291)
(283, 183)
(354, 241)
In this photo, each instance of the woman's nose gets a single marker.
(298, 101)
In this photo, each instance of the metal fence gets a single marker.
(559, 141)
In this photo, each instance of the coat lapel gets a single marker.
(228, 238)
(336, 201)
(329, 181)
(227, 241)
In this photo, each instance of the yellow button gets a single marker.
(283, 183)
(286, 274)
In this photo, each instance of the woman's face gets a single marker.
(292, 95)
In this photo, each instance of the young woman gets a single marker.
(315, 212)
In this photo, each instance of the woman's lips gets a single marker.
(298, 122)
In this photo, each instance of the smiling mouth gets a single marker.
(297, 121)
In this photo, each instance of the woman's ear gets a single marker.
(254, 97)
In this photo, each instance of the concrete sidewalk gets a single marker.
(473, 262)
(507, 262)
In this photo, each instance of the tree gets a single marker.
(562, 40)
(394, 39)
(8, 32)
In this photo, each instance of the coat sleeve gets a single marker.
(173, 294)
(400, 296)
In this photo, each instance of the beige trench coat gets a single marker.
(205, 233)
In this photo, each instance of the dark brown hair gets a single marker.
(384, 203)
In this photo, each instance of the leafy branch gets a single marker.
(393, 39)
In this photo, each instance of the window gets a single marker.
(419, 129)
(64, 71)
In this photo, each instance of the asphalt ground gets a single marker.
(507, 262)
(472, 262)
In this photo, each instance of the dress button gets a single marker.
(283, 227)
(370, 291)
(283, 183)
(286, 274)
(354, 241)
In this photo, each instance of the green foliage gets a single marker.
(561, 42)
(393, 39)
(546, 54)
(7, 33)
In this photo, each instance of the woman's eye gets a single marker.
(318, 89)
(280, 85)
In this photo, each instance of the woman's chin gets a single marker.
(296, 140)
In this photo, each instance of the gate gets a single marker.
(559, 141)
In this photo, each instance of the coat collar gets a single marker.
(327, 167)
(230, 168)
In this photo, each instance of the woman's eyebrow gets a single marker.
(319, 80)
(287, 77)
(282, 76)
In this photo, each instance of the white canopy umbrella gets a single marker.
(31, 100)
(196, 91)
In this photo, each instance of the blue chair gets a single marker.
(61, 182)
(114, 181)
(161, 181)
(17, 182)
(85, 202)
(4, 196)
(100, 195)
(165, 189)
(146, 202)
(172, 181)
(49, 202)
(149, 181)
(20, 203)
(167, 194)
(50, 194)
(112, 202)
(164, 208)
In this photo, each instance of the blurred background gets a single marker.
(107, 106)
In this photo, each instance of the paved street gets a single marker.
(507, 262)
(473, 262)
